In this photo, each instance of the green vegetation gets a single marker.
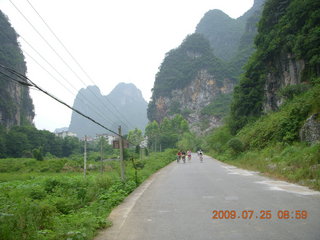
(171, 133)
(219, 107)
(297, 162)
(15, 100)
(135, 136)
(286, 27)
(269, 142)
(222, 31)
(220, 46)
(27, 141)
(181, 65)
(52, 200)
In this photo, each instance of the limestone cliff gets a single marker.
(197, 78)
(286, 59)
(16, 107)
(286, 71)
(190, 101)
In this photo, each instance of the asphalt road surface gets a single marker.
(179, 201)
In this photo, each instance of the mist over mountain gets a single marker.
(224, 33)
(197, 78)
(124, 106)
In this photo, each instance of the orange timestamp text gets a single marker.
(259, 214)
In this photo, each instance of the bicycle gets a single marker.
(184, 158)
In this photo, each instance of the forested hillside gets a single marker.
(274, 124)
(197, 78)
(287, 54)
(16, 107)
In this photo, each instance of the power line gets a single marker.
(59, 56)
(15, 80)
(23, 77)
(74, 59)
(83, 96)
(27, 82)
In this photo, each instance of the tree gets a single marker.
(168, 133)
(152, 132)
(17, 143)
(135, 136)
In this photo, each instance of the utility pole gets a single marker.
(85, 157)
(123, 177)
(101, 153)
(141, 153)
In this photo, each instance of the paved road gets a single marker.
(178, 201)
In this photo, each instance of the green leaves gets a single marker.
(286, 28)
(27, 141)
(167, 133)
(181, 65)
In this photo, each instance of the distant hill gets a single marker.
(224, 33)
(127, 99)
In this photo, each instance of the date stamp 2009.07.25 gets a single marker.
(260, 214)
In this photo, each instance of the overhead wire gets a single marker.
(29, 81)
(83, 97)
(52, 48)
(59, 56)
(66, 80)
(73, 58)
(15, 80)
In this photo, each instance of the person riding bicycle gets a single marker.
(179, 155)
(189, 155)
(200, 154)
(183, 154)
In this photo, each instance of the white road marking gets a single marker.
(239, 171)
(288, 187)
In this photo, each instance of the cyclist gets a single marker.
(189, 155)
(200, 154)
(179, 154)
(183, 154)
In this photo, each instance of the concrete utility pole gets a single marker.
(123, 176)
(85, 157)
(101, 153)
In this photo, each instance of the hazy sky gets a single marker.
(114, 41)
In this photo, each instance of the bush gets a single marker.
(236, 145)
(217, 141)
(37, 154)
(293, 90)
(62, 205)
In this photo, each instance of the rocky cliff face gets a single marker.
(310, 131)
(287, 70)
(16, 107)
(189, 101)
(194, 78)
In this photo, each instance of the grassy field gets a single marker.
(51, 199)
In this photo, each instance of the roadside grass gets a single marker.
(271, 144)
(297, 163)
(59, 203)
